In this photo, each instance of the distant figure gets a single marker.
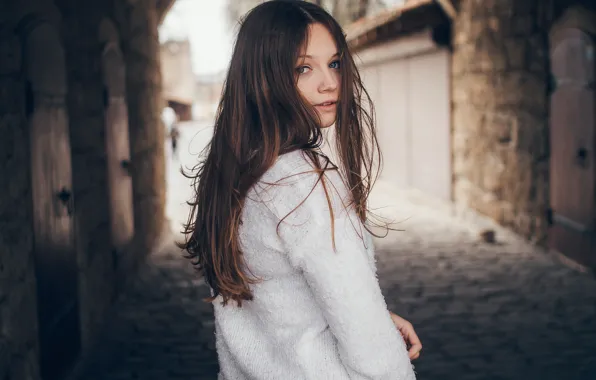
(168, 117)
(174, 135)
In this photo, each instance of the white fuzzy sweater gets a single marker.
(319, 312)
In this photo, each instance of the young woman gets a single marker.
(278, 230)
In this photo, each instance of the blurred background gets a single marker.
(486, 116)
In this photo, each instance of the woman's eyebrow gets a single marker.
(310, 56)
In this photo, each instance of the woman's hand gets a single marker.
(407, 332)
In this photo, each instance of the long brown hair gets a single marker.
(261, 116)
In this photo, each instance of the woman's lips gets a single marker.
(326, 106)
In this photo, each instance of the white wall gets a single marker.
(408, 80)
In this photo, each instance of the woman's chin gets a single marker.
(327, 122)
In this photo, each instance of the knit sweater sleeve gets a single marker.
(331, 252)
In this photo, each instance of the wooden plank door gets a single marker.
(51, 174)
(118, 149)
(573, 143)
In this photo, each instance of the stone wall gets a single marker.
(86, 106)
(97, 277)
(87, 130)
(500, 111)
(18, 312)
(140, 45)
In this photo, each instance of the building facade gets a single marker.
(178, 77)
(491, 105)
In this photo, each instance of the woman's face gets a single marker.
(318, 74)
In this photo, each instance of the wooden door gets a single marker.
(573, 143)
(55, 255)
(117, 148)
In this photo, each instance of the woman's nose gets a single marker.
(328, 81)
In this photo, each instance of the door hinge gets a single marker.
(581, 158)
(549, 216)
(554, 218)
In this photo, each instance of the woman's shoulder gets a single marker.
(288, 167)
(293, 179)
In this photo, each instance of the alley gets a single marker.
(502, 310)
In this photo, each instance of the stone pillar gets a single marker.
(90, 183)
(18, 312)
(500, 111)
(140, 44)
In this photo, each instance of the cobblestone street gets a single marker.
(483, 311)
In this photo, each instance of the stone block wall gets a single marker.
(18, 310)
(140, 44)
(500, 111)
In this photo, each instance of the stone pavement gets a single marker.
(483, 311)
(487, 311)
(160, 328)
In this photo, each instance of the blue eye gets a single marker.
(302, 69)
(334, 65)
